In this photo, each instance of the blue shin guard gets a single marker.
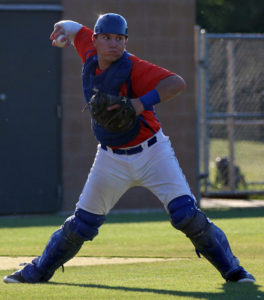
(208, 239)
(63, 245)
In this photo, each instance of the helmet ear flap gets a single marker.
(111, 23)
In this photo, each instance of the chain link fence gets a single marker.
(230, 87)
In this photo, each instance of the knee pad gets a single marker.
(185, 216)
(182, 210)
(82, 226)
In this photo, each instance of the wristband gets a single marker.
(150, 99)
(70, 27)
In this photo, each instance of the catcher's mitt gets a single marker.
(117, 120)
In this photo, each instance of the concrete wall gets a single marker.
(161, 32)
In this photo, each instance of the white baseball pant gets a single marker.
(111, 175)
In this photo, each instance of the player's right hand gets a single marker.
(67, 29)
(59, 37)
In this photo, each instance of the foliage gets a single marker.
(230, 16)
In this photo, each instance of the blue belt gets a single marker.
(133, 150)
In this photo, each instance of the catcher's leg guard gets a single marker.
(208, 239)
(63, 245)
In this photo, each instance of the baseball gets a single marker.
(59, 42)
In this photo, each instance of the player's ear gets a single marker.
(93, 39)
(126, 40)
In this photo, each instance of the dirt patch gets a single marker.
(232, 203)
(7, 263)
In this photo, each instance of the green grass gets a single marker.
(139, 235)
(249, 157)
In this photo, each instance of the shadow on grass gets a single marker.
(219, 213)
(234, 213)
(228, 291)
(54, 220)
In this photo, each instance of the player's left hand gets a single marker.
(115, 113)
(137, 104)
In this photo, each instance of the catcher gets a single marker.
(121, 91)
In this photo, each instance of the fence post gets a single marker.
(205, 109)
(230, 110)
(197, 59)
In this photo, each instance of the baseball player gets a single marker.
(121, 91)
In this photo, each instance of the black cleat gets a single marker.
(14, 278)
(241, 276)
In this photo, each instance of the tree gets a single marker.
(223, 16)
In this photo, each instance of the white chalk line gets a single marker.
(7, 262)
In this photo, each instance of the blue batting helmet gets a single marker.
(111, 23)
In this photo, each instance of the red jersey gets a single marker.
(144, 78)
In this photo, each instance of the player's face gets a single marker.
(110, 47)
